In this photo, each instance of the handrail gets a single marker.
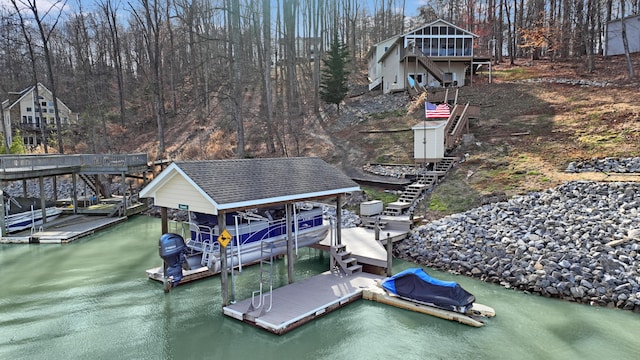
(34, 162)
(452, 136)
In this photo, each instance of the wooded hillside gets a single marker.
(241, 77)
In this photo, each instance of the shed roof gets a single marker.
(244, 183)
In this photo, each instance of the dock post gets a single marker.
(338, 220)
(163, 220)
(288, 208)
(389, 255)
(3, 225)
(223, 261)
(74, 192)
(43, 201)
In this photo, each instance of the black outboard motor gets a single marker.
(171, 248)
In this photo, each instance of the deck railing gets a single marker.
(35, 162)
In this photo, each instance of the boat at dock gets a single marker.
(25, 213)
(30, 219)
(414, 289)
(255, 235)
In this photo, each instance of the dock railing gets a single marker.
(36, 162)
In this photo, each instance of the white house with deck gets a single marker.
(30, 113)
(437, 54)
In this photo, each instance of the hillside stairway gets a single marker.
(457, 123)
(424, 183)
(94, 184)
(342, 260)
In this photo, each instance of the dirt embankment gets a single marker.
(534, 121)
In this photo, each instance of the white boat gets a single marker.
(255, 235)
(31, 219)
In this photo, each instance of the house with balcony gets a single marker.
(32, 114)
(438, 54)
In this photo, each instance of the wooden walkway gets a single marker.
(298, 303)
(64, 230)
(359, 241)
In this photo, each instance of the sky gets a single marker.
(411, 6)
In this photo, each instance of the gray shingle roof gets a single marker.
(242, 181)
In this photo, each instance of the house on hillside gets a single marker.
(23, 111)
(437, 54)
(613, 41)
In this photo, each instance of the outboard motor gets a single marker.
(171, 248)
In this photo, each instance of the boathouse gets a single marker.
(219, 187)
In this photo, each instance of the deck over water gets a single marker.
(64, 230)
(298, 303)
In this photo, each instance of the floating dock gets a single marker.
(63, 230)
(290, 306)
(472, 318)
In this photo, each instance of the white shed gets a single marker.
(428, 141)
(614, 45)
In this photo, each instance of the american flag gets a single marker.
(436, 111)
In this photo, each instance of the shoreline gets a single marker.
(554, 243)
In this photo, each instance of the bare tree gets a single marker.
(625, 41)
(150, 23)
(45, 31)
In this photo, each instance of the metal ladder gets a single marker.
(259, 298)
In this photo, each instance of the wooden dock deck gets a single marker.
(298, 303)
(359, 241)
(64, 230)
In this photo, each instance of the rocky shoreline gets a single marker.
(556, 243)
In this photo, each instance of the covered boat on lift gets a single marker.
(416, 285)
(255, 235)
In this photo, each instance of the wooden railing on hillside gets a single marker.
(457, 123)
(431, 66)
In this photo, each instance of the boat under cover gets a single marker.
(255, 235)
(416, 285)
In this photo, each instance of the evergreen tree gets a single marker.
(17, 147)
(333, 85)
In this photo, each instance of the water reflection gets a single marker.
(91, 300)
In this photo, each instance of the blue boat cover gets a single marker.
(415, 284)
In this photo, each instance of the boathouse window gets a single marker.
(24, 119)
(44, 110)
(30, 119)
(44, 103)
(28, 109)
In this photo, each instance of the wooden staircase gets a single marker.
(434, 69)
(94, 184)
(413, 191)
(344, 261)
(458, 121)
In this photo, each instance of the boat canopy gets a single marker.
(415, 284)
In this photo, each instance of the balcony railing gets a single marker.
(37, 162)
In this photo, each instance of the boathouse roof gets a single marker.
(212, 185)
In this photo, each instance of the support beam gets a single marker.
(163, 220)
(3, 225)
(339, 220)
(290, 258)
(43, 201)
(224, 274)
(74, 192)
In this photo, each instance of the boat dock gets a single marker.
(63, 230)
(296, 304)
(360, 241)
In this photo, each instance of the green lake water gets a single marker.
(91, 299)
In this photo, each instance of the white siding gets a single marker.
(428, 140)
(614, 45)
(178, 191)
